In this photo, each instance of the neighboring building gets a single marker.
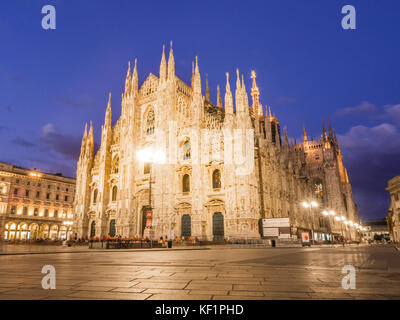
(393, 217)
(34, 205)
(203, 194)
(376, 228)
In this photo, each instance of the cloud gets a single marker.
(372, 156)
(64, 144)
(82, 102)
(286, 100)
(393, 112)
(23, 142)
(365, 107)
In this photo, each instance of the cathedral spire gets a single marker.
(304, 133)
(330, 129)
(197, 79)
(207, 89)
(128, 79)
(83, 141)
(219, 100)
(135, 79)
(90, 137)
(107, 120)
(238, 100)
(171, 65)
(85, 132)
(255, 94)
(244, 93)
(163, 66)
(192, 74)
(228, 97)
(286, 139)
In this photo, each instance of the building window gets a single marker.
(37, 194)
(48, 186)
(146, 168)
(150, 120)
(13, 208)
(95, 196)
(112, 228)
(66, 198)
(17, 181)
(396, 196)
(93, 229)
(46, 212)
(16, 191)
(47, 196)
(114, 193)
(186, 150)
(36, 212)
(216, 179)
(115, 165)
(318, 188)
(26, 193)
(57, 197)
(186, 183)
(55, 213)
(25, 211)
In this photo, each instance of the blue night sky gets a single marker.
(308, 67)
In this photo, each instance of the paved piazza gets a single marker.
(201, 274)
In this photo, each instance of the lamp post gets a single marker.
(150, 155)
(310, 206)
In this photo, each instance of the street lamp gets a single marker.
(150, 155)
(310, 206)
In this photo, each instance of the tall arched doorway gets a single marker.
(93, 229)
(186, 228)
(218, 226)
(112, 228)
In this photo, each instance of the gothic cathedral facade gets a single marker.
(186, 189)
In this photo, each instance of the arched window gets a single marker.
(112, 228)
(95, 195)
(186, 183)
(115, 165)
(150, 122)
(186, 150)
(114, 193)
(93, 229)
(318, 188)
(216, 179)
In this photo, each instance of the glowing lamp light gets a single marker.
(346, 222)
(337, 218)
(305, 205)
(325, 213)
(150, 155)
(314, 204)
(343, 218)
(332, 213)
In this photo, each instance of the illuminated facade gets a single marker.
(196, 194)
(34, 205)
(393, 217)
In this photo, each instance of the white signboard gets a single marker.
(154, 223)
(271, 232)
(276, 223)
(284, 236)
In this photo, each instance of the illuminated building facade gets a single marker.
(193, 193)
(35, 205)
